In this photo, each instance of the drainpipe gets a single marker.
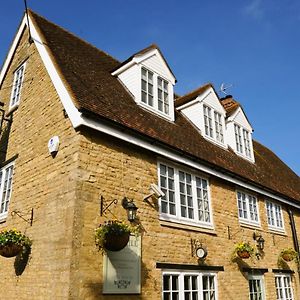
(295, 238)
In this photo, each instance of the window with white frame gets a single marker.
(189, 285)
(155, 91)
(238, 138)
(213, 124)
(147, 87)
(163, 95)
(219, 127)
(256, 287)
(274, 214)
(17, 85)
(186, 196)
(242, 141)
(6, 175)
(248, 208)
(284, 289)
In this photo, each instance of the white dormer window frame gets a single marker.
(17, 86)
(214, 123)
(147, 87)
(155, 92)
(243, 144)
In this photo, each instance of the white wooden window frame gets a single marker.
(243, 145)
(166, 111)
(201, 198)
(246, 207)
(17, 86)
(274, 216)
(202, 293)
(164, 99)
(213, 122)
(254, 295)
(6, 184)
(284, 288)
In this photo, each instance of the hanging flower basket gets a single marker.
(10, 250)
(288, 254)
(12, 242)
(116, 242)
(113, 235)
(243, 254)
(244, 250)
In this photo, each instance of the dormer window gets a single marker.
(242, 140)
(213, 124)
(150, 81)
(155, 91)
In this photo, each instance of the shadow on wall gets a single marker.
(21, 261)
(4, 137)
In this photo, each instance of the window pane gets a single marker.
(168, 187)
(5, 188)
(163, 95)
(238, 138)
(17, 84)
(186, 197)
(208, 121)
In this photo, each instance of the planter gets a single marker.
(287, 257)
(115, 242)
(243, 254)
(10, 250)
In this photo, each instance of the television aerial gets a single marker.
(225, 87)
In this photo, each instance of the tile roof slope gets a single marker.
(86, 71)
(192, 95)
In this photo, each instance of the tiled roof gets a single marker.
(86, 72)
(192, 95)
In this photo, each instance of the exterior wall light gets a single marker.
(260, 241)
(131, 209)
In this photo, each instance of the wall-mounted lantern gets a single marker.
(260, 241)
(131, 209)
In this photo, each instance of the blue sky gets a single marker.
(252, 45)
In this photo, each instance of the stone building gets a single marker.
(124, 134)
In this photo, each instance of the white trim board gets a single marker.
(178, 158)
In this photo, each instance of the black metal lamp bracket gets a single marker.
(103, 208)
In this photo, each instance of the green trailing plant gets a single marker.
(13, 236)
(244, 250)
(288, 254)
(116, 229)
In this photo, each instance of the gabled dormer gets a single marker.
(149, 79)
(238, 129)
(203, 108)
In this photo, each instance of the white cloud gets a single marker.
(254, 9)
